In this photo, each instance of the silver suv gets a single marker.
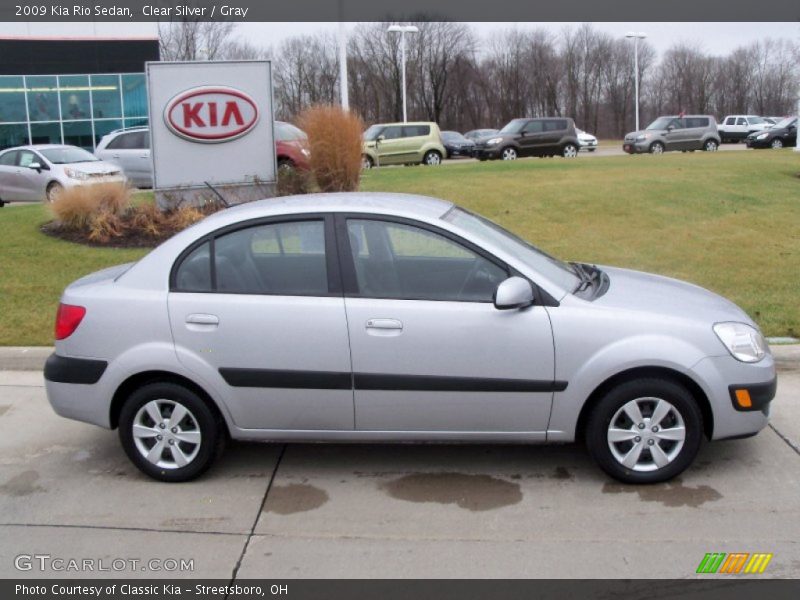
(129, 149)
(682, 132)
(386, 317)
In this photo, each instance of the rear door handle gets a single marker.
(384, 324)
(202, 319)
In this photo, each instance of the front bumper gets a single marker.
(754, 143)
(722, 374)
(488, 152)
(632, 147)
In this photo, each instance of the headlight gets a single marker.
(75, 174)
(641, 138)
(305, 152)
(745, 343)
(762, 136)
(493, 141)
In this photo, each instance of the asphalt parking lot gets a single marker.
(304, 510)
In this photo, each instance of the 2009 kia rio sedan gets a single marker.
(383, 317)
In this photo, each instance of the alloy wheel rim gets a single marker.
(509, 154)
(646, 434)
(166, 434)
(570, 152)
(658, 149)
(53, 193)
(777, 144)
(433, 158)
(711, 147)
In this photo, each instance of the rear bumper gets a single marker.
(73, 390)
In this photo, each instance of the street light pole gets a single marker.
(636, 37)
(343, 91)
(403, 29)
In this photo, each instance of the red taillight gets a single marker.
(68, 318)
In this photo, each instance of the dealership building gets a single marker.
(72, 90)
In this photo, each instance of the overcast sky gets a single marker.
(717, 38)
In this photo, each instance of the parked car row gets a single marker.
(736, 128)
(780, 135)
(422, 142)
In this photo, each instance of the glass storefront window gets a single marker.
(142, 122)
(134, 95)
(12, 100)
(45, 133)
(103, 127)
(74, 91)
(42, 98)
(13, 135)
(106, 100)
(79, 133)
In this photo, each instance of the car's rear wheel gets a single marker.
(777, 144)
(508, 154)
(569, 151)
(656, 148)
(285, 165)
(645, 431)
(169, 432)
(432, 158)
(711, 146)
(366, 161)
(54, 191)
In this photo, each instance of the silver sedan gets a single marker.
(42, 171)
(384, 317)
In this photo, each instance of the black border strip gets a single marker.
(63, 369)
(332, 380)
(761, 394)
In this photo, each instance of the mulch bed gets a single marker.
(129, 239)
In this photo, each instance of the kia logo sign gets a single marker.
(211, 114)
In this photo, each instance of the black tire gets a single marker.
(286, 164)
(657, 148)
(367, 162)
(53, 190)
(570, 151)
(2, 203)
(776, 144)
(211, 427)
(432, 158)
(711, 146)
(509, 153)
(599, 421)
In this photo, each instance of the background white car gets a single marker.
(586, 140)
(129, 149)
(41, 172)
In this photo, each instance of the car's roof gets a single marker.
(409, 123)
(367, 202)
(40, 147)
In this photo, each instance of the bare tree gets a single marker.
(194, 40)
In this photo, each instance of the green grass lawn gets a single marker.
(728, 221)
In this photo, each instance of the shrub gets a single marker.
(334, 139)
(293, 181)
(77, 207)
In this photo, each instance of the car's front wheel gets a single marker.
(508, 154)
(54, 191)
(645, 431)
(777, 143)
(169, 432)
(656, 148)
(366, 161)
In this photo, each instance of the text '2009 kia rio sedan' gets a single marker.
(385, 317)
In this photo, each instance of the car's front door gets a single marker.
(430, 351)
(32, 182)
(675, 138)
(270, 319)
(392, 147)
(531, 138)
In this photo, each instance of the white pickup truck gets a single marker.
(734, 128)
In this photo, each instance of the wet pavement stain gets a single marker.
(4, 409)
(294, 498)
(23, 484)
(562, 473)
(471, 492)
(672, 494)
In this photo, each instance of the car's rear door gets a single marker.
(269, 318)
(430, 351)
(415, 137)
(9, 180)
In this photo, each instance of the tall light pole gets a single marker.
(636, 37)
(403, 29)
(343, 91)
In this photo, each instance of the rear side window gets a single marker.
(194, 273)
(697, 122)
(730, 121)
(555, 125)
(135, 140)
(533, 127)
(741, 121)
(416, 130)
(9, 159)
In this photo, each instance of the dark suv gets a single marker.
(546, 136)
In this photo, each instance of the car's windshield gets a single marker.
(784, 122)
(286, 132)
(453, 136)
(661, 123)
(373, 132)
(559, 272)
(514, 126)
(68, 155)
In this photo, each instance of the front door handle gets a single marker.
(384, 324)
(202, 319)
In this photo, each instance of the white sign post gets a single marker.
(211, 122)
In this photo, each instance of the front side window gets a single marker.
(404, 262)
(533, 127)
(392, 133)
(741, 121)
(27, 158)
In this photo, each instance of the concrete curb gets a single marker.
(21, 358)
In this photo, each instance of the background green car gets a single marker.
(402, 143)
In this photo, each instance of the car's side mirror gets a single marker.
(514, 292)
(380, 138)
(35, 166)
(670, 128)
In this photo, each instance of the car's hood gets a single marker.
(770, 131)
(95, 167)
(651, 132)
(634, 290)
(586, 136)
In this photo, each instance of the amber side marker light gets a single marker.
(743, 399)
